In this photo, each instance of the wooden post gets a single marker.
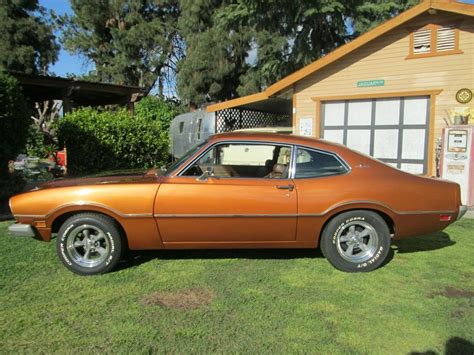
(131, 107)
(67, 105)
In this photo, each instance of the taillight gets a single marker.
(444, 217)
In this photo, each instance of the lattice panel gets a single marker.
(233, 119)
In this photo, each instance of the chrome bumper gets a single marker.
(462, 211)
(21, 230)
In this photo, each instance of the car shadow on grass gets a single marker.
(409, 245)
(454, 346)
(135, 258)
(422, 243)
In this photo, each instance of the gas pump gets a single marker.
(457, 159)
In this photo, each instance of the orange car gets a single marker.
(241, 190)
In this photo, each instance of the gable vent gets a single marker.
(422, 41)
(446, 39)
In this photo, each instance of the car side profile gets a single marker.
(241, 190)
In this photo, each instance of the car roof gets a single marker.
(267, 130)
(278, 138)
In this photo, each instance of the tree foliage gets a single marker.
(369, 14)
(27, 41)
(215, 52)
(282, 36)
(218, 49)
(129, 41)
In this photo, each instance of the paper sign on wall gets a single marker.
(306, 126)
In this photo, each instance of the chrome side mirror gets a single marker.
(209, 172)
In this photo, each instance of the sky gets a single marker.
(67, 63)
(74, 64)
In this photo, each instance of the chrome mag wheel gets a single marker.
(87, 245)
(357, 241)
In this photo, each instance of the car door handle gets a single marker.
(285, 187)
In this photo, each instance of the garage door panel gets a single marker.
(386, 143)
(413, 168)
(387, 112)
(415, 110)
(359, 113)
(334, 135)
(359, 139)
(413, 146)
(334, 113)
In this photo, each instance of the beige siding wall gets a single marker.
(384, 58)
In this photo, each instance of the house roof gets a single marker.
(441, 5)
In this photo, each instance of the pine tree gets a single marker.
(284, 35)
(130, 42)
(27, 41)
(215, 52)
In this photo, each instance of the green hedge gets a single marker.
(107, 140)
(14, 121)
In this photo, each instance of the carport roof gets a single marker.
(286, 83)
(83, 93)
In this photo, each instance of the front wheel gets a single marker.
(356, 241)
(89, 244)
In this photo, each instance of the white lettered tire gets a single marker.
(356, 241)
(89, 244)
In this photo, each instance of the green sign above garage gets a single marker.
(370, 83)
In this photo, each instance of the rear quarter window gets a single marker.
(311, 163)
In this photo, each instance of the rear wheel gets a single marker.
(89, 244)
(356, 241)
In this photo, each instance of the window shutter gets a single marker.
(446, 39)
(422, 41)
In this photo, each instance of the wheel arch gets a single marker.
(61, 216)
(386, 214)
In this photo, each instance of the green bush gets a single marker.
(35, 146)
(156, 109)
(14, 121)
(106, 140)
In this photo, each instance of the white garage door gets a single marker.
(394, 130)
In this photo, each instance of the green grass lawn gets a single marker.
(283, 301)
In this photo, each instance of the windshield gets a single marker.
(177, 163)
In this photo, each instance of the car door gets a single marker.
(322, 180)
(243, 201)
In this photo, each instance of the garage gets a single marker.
(394, 130)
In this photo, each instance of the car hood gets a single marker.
(108, 177)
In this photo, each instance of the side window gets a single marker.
(181, 127)
(310, 163)
(244, 160)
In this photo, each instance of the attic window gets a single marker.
(422, 41)
(433, 40)
(446, 39)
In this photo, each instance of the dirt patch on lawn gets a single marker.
(457, 314)
(452, 292)
(187, 299)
